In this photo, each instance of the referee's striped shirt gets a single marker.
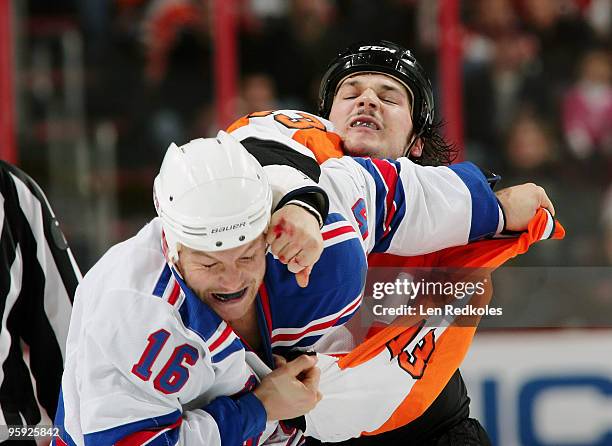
(38, 278)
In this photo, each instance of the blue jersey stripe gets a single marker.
(239, 419)
(196, 315)
(60, 419)
(162, 282)
(111, 436)
(235, 346)
(485, 211)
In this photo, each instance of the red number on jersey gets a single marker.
(413, 362)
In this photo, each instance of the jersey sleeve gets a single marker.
(406, 209)
(490, 253)
(133, 369)
(332, 297)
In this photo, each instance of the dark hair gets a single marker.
(437, 151)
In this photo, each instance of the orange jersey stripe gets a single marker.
(323, 145)
(238, 123)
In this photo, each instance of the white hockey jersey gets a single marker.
(149, 363)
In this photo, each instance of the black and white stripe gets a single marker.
(38, 278)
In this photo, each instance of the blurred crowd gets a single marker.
(537, 78)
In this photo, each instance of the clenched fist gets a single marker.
(295, 238)
(291, 390)
(520, 203)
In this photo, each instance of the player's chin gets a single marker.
(362, 147)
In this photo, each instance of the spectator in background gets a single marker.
(531, 148)
(489, 18)
(587, 107)
(596, 288)
(599, 15)
(517, 55)
(563, 35)
(532, 154)
(178, 70)
(307, 38)
(562, 31)
(38, 278)
(499, 62)
(258, 92)
(495, 92)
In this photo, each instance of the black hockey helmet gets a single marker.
(382, 56)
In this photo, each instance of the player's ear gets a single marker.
(417, 149)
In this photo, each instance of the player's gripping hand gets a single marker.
(291, 390)
(520, 203)
(295, 238)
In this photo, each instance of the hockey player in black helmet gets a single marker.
(380, 104)
(425, 145)
(361, 93)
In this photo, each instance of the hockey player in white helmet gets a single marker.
(172, 328)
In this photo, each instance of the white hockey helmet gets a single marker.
(211, 195)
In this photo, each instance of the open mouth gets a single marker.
(365, 122)
(226, 297)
